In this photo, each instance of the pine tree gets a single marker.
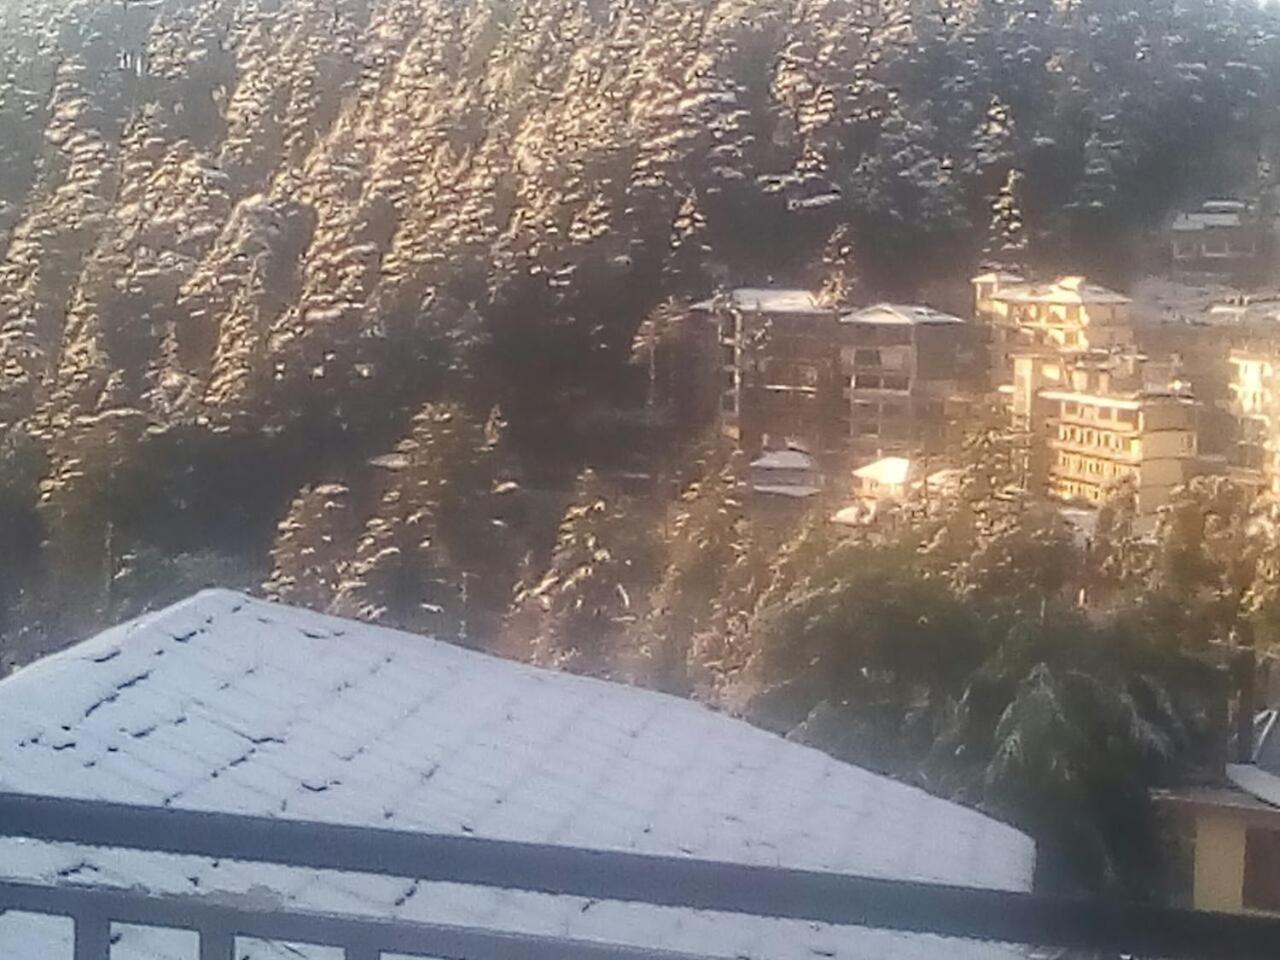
(404, 569)
(1006, 235)
(313, 548)
(573, 615)
(706, 533)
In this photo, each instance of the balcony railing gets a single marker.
(1097, 451)
(1020, 918)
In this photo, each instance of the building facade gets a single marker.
(899, 364)
(797, 374)
(778, 369)
(1223, 237)
(1100, 426)
(1068, 314)
(1254, 406)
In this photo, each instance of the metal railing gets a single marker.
(993, 915)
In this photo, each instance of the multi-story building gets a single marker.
(898, 365)
(798, 374)
(1100, 425)
(1067, 314)
(778, 368)
(1205, 326)
(1255, 385)
(1222, 237)
(1255, 409)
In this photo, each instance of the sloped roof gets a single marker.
(783, 460)
(1205, 220)
(1068, 290)
(902, 314)
(998, 276)
(891, 471)
(769, 300)
(227, 703)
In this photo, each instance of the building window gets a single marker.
(895, 383)
(1262, 869)
(866, 358)
(865, 381)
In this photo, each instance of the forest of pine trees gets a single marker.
(352, 303)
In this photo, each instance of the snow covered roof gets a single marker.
(1093, 399)
(1256, 781)
(1221, 204)
(227, 703)
(889, 471)
(1194, 222)
(853, 515)
(797, 491)
(999, 276)
(783, 460)
(898, 313)
(769, 300)
(1064, 290)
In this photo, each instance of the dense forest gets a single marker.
(348, 301)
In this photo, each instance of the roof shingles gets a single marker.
(231, 704)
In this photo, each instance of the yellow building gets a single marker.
(1235, 833)
(1098, 424)
(1255, 405)
(1067, 314)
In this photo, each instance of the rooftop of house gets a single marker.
(899, 314)
(999, 276)
(1065, 290)
(1205, 220)
(887, 471)
(1214, 213)
(783, 460)
(778, 300)
(1246, 310)
(1252, 790)
(232, 704)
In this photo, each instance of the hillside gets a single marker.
(248, 246)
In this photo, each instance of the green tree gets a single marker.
(573, 615)
(1063, 731)
(314, 547)
(706, 532)
(876, 644)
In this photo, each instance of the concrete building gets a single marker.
(1223, 237)
(1205, 325)
(778, 369)
(898, 366)
(864, 383)
(1253, 402)
(1234, 827)
(1068, 314)
(1255, 409)
(1099, 424)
